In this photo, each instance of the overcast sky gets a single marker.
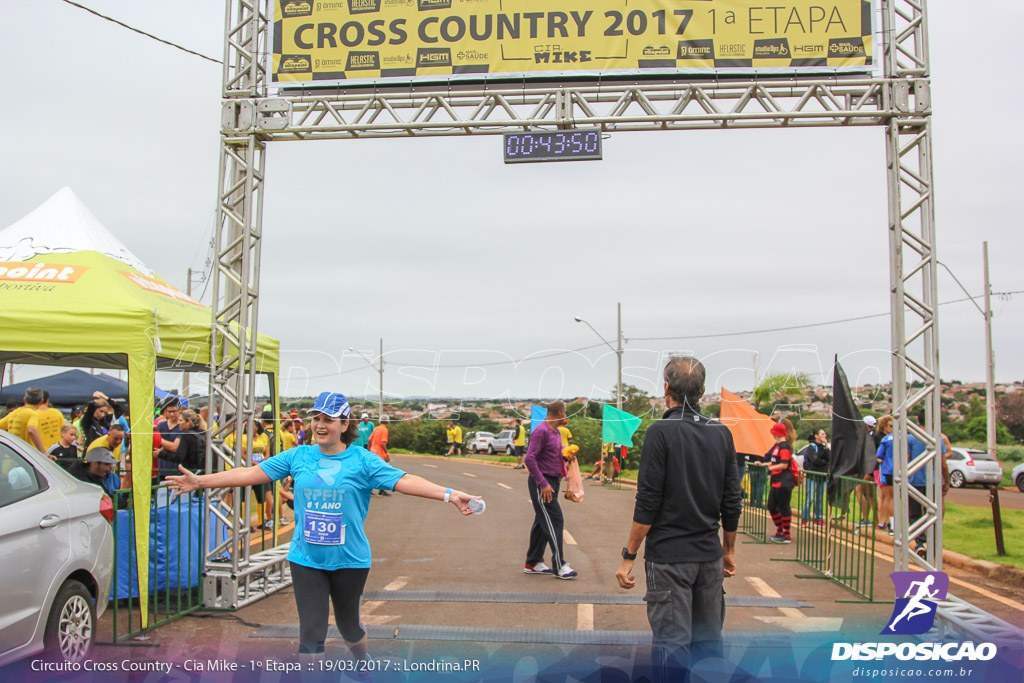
(454, 258)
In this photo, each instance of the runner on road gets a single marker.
(330, 559)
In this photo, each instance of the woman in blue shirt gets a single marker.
(332, 482)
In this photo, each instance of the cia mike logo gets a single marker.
(914, 612)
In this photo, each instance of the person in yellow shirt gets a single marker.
(564, 432)
(17, 421)
(519, 442)
(48, 421)
(454, 438)
(112, 440)
(457, 438)
(261, 450)
(205, 423)
(449, 434)
(288, 438)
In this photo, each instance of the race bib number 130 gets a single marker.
(323, 528)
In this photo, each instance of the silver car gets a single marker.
(57, 545)
(1018, 476)
(504, 441)
(970, 466)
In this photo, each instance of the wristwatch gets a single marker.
(626, 555)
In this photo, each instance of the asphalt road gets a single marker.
(978, 496)
(425, 545)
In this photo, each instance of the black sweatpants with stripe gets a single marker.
(547, 525)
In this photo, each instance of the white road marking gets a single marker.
(584, 617)
(370, 606)
(398, 584)
(567, 537)
(467, 474)
(504, 486)
(794, 619)
(367, 609)
(377, 619)
(426, 465)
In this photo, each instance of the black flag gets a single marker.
(853, 453)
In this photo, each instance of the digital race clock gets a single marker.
(578, 144)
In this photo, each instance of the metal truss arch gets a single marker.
(899, 100)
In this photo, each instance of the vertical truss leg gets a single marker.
(914, 335)
(234, 344)
(227, 562)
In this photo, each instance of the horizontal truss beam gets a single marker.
(412, 112)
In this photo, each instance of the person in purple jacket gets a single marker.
(547, 467)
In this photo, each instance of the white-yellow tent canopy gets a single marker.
(71, 294)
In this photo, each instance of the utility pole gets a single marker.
(990, 392)
(618, 352)
(990, 407)
(990, 365)
(379, 367)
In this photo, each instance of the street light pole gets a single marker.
(380, 403)
(617, 350)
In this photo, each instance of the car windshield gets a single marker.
(980, 455)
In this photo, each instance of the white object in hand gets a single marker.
(477, 505)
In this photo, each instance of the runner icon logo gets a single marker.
(914, 612)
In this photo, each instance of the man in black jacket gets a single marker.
(96, 469)
(686, 484)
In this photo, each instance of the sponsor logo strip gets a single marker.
(39, 272)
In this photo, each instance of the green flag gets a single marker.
(618, 426)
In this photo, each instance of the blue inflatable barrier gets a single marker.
(175, 546)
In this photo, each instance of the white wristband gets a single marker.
(447, 495)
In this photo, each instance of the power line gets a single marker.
(141, 32)
(800, 327)
(1003, 295)
(464, 365)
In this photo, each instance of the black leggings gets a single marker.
(312, 588)
(779, 508)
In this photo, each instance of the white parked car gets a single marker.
(479, 442)
(970, 466)
(57, 548)
(1018, 476)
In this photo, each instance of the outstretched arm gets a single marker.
(411, 485)
(239, 476)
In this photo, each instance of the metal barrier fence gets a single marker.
(754, 518)
(175, 562)
(836, 530)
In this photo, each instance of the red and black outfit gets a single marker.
(781, 488)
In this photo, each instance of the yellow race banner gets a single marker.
(320, 42)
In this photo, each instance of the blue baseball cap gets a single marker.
(331, 404)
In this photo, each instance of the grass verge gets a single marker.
(969, 531)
